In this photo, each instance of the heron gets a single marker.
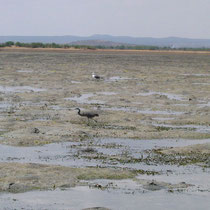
(89, 115)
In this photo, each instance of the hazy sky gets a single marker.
(140, 18)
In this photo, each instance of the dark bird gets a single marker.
(96, 76)
(89, 115)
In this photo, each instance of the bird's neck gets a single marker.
(79, 112)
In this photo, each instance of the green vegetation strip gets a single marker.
(118, 47)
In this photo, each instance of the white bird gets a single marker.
(95, 76)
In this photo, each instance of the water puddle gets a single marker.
(204, 105)
(146, 111)
(25, 71)
(196, 128)
(84, 197)
(113, 194)
(5, 106)
(197, 179)
(197, 75)
(107, 93)
(84, 99)
(124, 109)
(117, 78)
(168, 95)
(31, 103)
(163, 118)
(57, 107)
(75, 82)
(20, 89)
(181, 105)
(78, 154)
(158, 112)
(199, 83)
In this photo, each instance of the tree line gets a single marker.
(119, 47)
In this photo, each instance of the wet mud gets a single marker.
(153, 123)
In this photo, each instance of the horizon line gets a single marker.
(103, 35)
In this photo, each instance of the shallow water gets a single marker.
(5, 106)
(25, 71)
(197, 75)
(116, 193)
(196, 128)
(107, 93)
(207, 104)
(74, 153)
(158, 112)
(84, 99)
(168, 95)
(20, 89)
(75, 82)
(199, 180)
(154, 72)
(199, 83)
(117, 78)
(84, 197)
(181, 105)
(163, 118)
(145, 111)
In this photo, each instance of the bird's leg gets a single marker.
(94, 120)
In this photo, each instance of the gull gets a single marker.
(95, 76)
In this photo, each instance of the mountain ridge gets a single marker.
(175, 42)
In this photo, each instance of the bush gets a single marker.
(9, 44)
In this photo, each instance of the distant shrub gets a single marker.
(121, 47)
(9, 44)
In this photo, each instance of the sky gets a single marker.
(137, 18)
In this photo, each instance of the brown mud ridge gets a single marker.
(19, 49)
(201, 149)
(140, 96)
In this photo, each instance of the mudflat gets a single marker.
(141, 97)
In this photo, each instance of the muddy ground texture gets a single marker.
(141, 95)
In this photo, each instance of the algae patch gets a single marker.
(16, 177)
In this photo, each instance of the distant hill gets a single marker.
(99, 43)
(175, 42)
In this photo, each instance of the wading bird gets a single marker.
(89, 115)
